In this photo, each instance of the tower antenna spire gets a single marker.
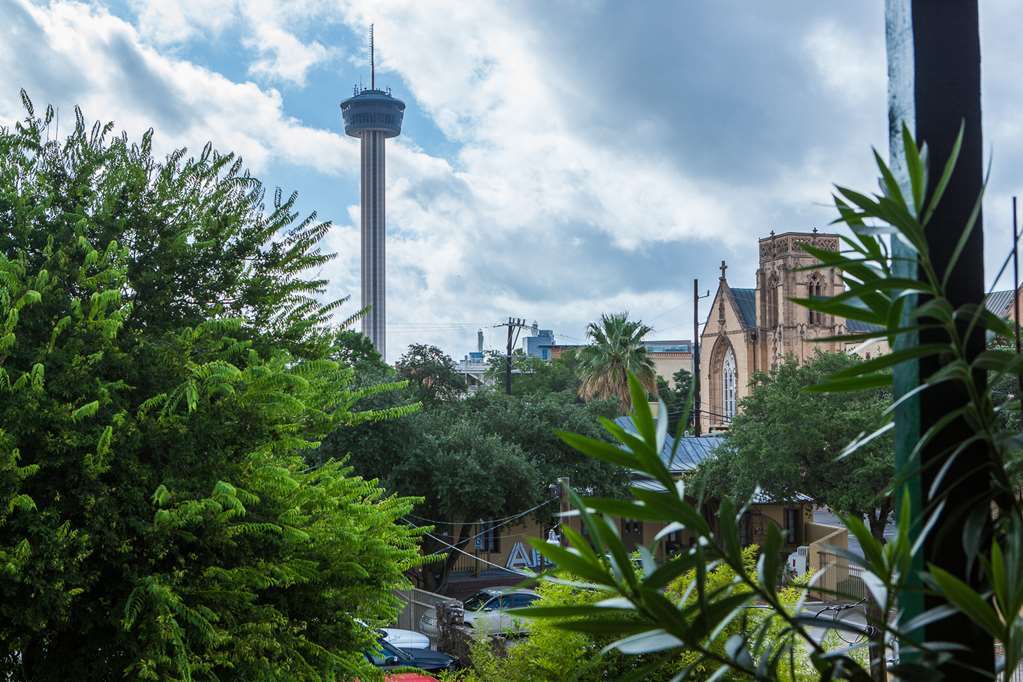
(372, 62)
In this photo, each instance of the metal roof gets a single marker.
(746, 302)
(997, 302)
(692, 450)
(758, 497)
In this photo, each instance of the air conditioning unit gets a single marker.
(798, 560)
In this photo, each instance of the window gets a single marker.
(632, 527)
(816, 290)
(792, 526)
(489, 538)
(728, 379)
(476, 601)
(518, 601)
(772, 303)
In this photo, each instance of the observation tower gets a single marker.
(373, 116)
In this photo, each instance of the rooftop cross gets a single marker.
(723, 268)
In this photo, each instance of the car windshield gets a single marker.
(388, 650)
(477, 601)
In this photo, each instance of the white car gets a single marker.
(486, 612)
(405, 639)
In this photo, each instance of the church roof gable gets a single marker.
(746, 304)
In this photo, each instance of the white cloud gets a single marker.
(170, 23)
(266, 25)
(500, 226)
(116, 74)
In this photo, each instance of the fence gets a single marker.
(837, 581)
(417, 602)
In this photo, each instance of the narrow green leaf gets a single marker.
(964, 598)
(895, 357)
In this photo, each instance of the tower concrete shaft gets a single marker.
(374, 287)
(373, 116)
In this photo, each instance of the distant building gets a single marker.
(474, 365)
(539, 343)
(750, 330)
(669, 356)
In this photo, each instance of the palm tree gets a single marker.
(616, 349)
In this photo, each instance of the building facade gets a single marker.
(750, 330)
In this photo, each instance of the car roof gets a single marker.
(494, 591)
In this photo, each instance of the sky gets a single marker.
(557, 160)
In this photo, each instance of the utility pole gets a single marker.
(696, 354)
(566, 506)
(514, 325)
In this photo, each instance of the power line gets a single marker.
(500, 520)
(473, 556)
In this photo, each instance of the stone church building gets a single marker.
(752, 330)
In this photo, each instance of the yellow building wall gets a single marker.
(666, 364)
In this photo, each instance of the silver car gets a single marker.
(486, 612)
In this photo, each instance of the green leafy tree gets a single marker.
(616, 349)
(431, 374)
(487, 456)
(535, 376)
(676, 397)
(788, 441)
(164, 367)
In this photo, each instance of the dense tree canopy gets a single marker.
(788, 442)
(676, 397)
(484, 456)
(164, 365)
(431, 373)
(535, 376)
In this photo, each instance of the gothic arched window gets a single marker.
(816, 288)
(728, 384)
(772, 302)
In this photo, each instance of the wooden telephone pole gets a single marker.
(514, 325)
(696, 354)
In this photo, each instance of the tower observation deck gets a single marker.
(373, 115)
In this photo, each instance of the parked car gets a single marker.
(405, 639)
(487, 612)
(390, 657)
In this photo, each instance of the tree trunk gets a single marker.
(452, 557)
(878, 519)
(876, 649)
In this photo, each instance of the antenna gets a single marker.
(372, 63)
